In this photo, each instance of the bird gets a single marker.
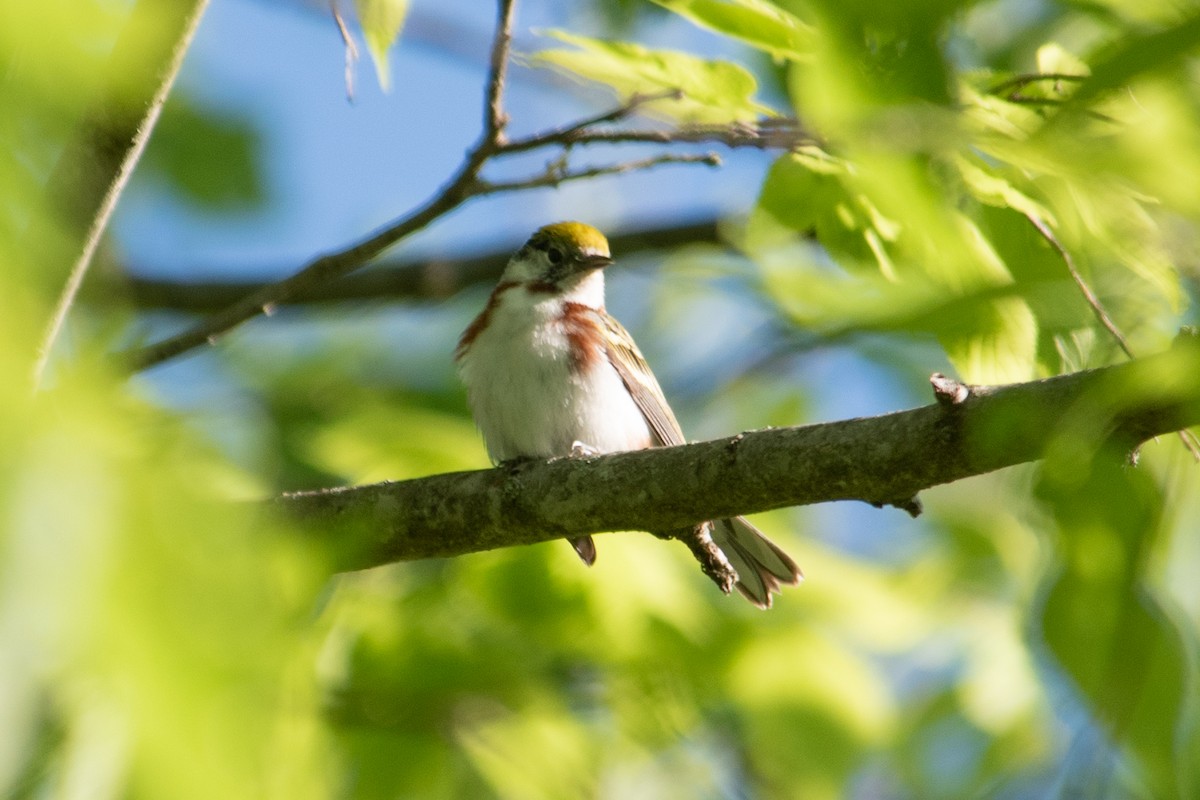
(550, 373)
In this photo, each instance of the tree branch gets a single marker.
(557, 172)
(396, 280)
(1013, 86)
(884, 460)
(466, 184)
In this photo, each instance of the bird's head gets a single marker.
(559, 257)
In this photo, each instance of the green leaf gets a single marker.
(805, 191)
(714, 91)
(998, 345)
(1053, 58)
(764, 26)
(988, 187)
(381, 21)
(1134, 55)
(211, 159)
(1102, 622)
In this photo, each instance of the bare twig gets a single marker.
(768, 134)
(350, 46)
(569, 134)
(334, 265)
(79, 180)
(555, 174)
(1019, 82)
(1089, 296)
(494, 118)
(317, 272)
(466, 184)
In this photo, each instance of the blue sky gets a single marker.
(336, 170)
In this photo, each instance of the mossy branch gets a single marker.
(884, 460)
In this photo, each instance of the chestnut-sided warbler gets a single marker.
(549, 373)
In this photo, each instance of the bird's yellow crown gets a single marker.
(576, 235)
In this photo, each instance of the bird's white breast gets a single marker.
(531, 397)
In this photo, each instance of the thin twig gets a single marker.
(350, 46)
(1050, 102)
(468, 183)
(318, 271)
(555, 175)
(1021, 81)
(570, 134)
(326, 268)
(108, 202)
(762, 136)
(334, 265)
(1088, 295)
(494, 118)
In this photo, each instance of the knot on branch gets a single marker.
(713, 562)
(947, 391)
(910, 505)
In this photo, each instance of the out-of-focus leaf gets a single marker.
(1102, 620)
(211, 159)
(816, 705)
(1136, 54)
(162, 624)
(713, 91)
(806, 192)
(988, 187)
(381, 22)
(1053, 58)
(939, 257)
(1000, 346)
(760, 24)
(376, 441)
(536, 753)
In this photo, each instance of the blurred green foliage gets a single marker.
(209, 159)
(1034, 636)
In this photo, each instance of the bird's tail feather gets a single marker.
(761, 565)
(585, 548)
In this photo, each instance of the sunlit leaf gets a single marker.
(1053, 58)
(1138, 53)
(381, 22)
(713, 91)
(760, 24)
(988, 187)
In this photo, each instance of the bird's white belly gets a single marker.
(529, 401)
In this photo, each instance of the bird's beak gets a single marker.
(596, 262)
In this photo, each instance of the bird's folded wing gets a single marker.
(623, 354)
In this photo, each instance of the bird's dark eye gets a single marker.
(555, 255)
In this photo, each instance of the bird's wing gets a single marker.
(623, 354)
